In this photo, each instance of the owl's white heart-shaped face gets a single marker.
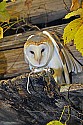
(39, 55)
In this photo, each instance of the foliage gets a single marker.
(4, 15)
(1, 32)
(55, 122)
(74, 13)
(71, 29)
(75, 5)
(74, 30)
(78, 40)
(11, 13)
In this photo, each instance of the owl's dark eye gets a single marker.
(31, 52)
(42, 50)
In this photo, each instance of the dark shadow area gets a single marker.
(28, 26)
(57, 22)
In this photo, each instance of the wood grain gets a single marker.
(39, 11)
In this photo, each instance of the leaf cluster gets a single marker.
(55, 122)
(4, 15)
(74, 30)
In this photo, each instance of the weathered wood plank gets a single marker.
(12, 62)
(14, 41)
(18, 40)
(39, 11)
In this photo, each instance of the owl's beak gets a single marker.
(38, 59)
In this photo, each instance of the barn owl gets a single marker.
(44, 50)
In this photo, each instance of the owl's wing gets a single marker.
(64, 55)
(72, 64)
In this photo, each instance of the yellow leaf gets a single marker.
(74, 13)
(71, 29)
(13, 0)
(55, 122)
(78, 41)
(1, 32)
(82, 4)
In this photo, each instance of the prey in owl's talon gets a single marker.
(47, 78)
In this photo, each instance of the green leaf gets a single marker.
(4, 16)
(2, 6)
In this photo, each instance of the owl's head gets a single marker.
(38, 50)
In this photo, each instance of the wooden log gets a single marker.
(18, 107)
(39, 11)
